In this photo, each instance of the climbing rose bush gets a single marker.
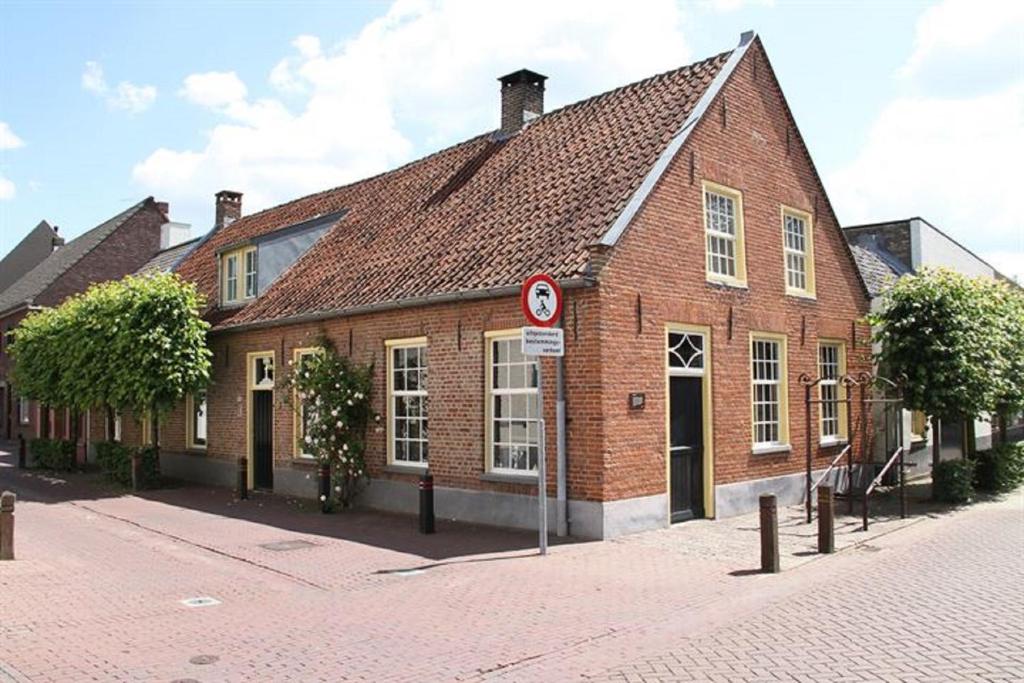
(335, 395)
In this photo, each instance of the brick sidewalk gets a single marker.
(96, 592)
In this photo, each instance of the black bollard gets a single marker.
(769, 535)
(21, 451)
(243, 478)
(427, 503)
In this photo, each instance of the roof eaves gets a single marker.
(611, 237)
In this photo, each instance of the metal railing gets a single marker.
(896, 456)
(832, 466)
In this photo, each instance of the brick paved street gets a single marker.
(96, 595)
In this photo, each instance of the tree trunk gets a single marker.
(44, 422)
(936, 443)
(1004, 418)
(110, 423)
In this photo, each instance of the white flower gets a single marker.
(349, 401)
(323, 498)
(340, 424)
(337, 386)
(344, 460)
(344, 447)
(359, 395)
(338, 489)
(291, 362)
(334, 413)
(309, 439)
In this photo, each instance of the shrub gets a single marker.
(53, 454)
(115, 460)
(953, 481)
(1000, 469)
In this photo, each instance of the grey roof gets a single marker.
(875, 271)
(35, 282)
(164, 261)
(28, 253)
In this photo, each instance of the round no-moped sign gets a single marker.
(541, 300)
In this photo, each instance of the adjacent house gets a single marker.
(109, 251)
(885, 252)
(704, 271)
(28, 253)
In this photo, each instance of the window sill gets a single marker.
(734, 284)
(501, 478)
(797, 294)
(402, 468)
(772, 449)
(829, 443)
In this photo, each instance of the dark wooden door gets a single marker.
(263, 439)
(686, 448)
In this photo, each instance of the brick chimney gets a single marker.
(164, 208)
(228, 208)
(522, 99)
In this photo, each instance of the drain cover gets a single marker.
(203, 659)
(282, 546)
(200, 602)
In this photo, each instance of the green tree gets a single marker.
(1006, 302)
(942, 332)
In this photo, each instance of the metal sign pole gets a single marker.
(542, 469)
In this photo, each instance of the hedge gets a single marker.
(1000, 469)
(953, 481)
(115, 461)
(53, 454)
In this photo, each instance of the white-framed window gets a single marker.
(723, 228)
(197, 420)
(798, 251)
(231, 278)
(686, 353)
(250, 274)
(301, 410)
(831, 368)
(117, 426)
(513, 413)
(262, 371)
(408, 402)
(768, 391)
(24, 416)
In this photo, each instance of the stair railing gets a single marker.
(896, 456)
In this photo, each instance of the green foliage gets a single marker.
(137, 344)
(1000, 469)
(53, 454)
(953, 481)
(953, 340)
(115, 461)
(336, 395)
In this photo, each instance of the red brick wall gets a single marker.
(662, 257)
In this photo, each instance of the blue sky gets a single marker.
(909, 108)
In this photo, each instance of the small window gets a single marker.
(197, 415)
(831, 367)
(513, 409)
(768, 376)
(408, 402)
(723, 227)
(263, 372)
(24, 416)
(117, 426)
(231, 278)
(686, 353)
(250, 274)
(301, 412)
(797, 248)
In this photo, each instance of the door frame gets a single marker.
(708, 459)
(250, 386)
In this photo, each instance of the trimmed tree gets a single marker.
(942, 332)
(1007, 304)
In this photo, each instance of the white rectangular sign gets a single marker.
(543, 341)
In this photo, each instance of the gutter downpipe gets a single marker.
(562, 504)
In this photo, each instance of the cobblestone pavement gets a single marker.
(96, 595)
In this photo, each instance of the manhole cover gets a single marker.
(203, 659)
(200, 602)
(282, 546)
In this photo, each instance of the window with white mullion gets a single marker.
(766, 367)
(514, 409)
(231, 278)
(795, 237)
(409, 431)
(829, 370)
(720, 221)
(250, 274)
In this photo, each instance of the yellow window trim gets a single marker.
(250, 364)
(783, 387)
(810, 292)
(240, 274)
(390, 344)
(740, 280)
(708, 413)
(190, 436)
(840, 393)
(297, 433)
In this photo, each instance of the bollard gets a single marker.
(21, 451)
(427, 503)
(7, 525)
(324, 481)
(243, 479)
(826, 520)
(769, 535)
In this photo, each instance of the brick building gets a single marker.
(109, 251)
(704, 271)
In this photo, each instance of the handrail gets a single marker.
(831, 467)
(897, 455)
(878, 480)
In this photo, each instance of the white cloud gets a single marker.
(7, 189)
(426, 70)
(725, 6)
(125, 96)
(8, 140)
(949, 157)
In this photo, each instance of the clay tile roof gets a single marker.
(483, 214)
